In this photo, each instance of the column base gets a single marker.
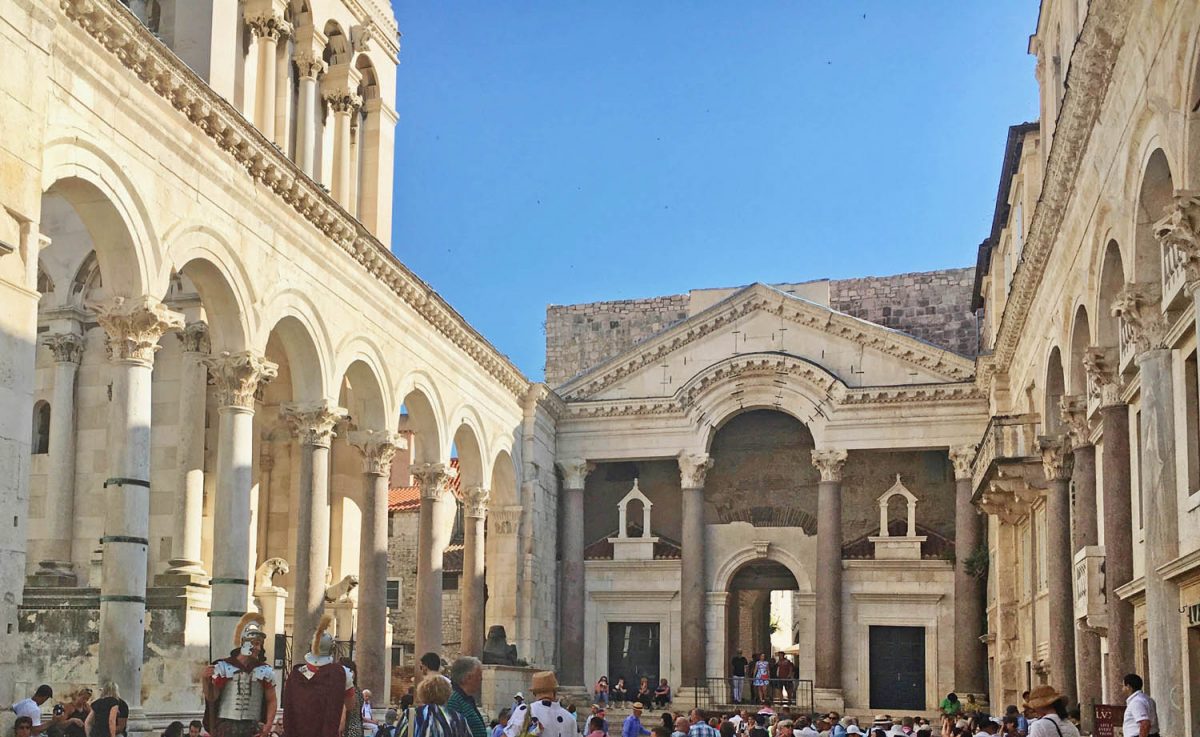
(186, 567)
(53, 573)
(182, 577)
(139, 724)
(829, 699)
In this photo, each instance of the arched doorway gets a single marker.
(763, 617)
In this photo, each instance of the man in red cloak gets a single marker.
(317, 690)
(239, 691)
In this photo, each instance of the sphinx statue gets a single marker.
(496, 650)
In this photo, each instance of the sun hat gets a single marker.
(853, 729)
(545, 683)
(1041, 697)
(637, 706)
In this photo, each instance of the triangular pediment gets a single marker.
(760, 319)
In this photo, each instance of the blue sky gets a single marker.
(567, 151)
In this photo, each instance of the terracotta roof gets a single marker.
(602, 549)
(408, 498)
(452, 559)
(935, 547)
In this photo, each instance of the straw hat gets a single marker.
(637, 706)
(545, 683)
(1041, 697)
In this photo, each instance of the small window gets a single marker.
(393, 594)
(1191, 391)
(397, 656)
(41, 428)
(449, 582)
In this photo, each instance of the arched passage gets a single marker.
(1154, 196)
(763, 616)
(1080, 340)
(1055, 387)
(1112, 281)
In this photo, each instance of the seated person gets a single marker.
(662, 694)
(619, 693)
(645, 694)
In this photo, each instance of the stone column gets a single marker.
(133, 326)
(340, 90)
(1138, 307)
(1084, 533)
(378, 142)
(189, 454)
(313, 424)
(475, 507)
(1118, 515)
(573, 589)
(236, 377)
(377, 447)
(1057, 465)
(311, 67)
(267, 27)
(434, 481)
(693, 467)
(828, 655)
(970, 653)
(58, 568)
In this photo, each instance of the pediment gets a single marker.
(762, 320)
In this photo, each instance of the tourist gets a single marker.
(662, 694)
(77, 712)
(501, 722)
(784, 728)
(854, 729)
(762, 676)
(806, 728)
(597, 712)
(600, 691)
(633, 723)
(551, 718)
(645, 693)
(785, 670)
(595, 728)
(737, 675)
(759, 728)
(23, 726)
(432, 718)
(970, 707)
(32, 708)
(681, 727)
(195, 727)
(1141, 713)
(619, 692)
(728, 729)
(951, 706)
(429, 663)
(109, 713)
(352, 720)
(369, 725)
(1050, 708)
(466, 679)
(174, 729)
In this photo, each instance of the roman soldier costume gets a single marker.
(318, 689)
(544, 717)
(243, 685)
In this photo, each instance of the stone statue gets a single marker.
(264, 577)
(340, 591)
(496, 650)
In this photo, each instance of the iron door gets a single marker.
(633, 653)
(897, 674)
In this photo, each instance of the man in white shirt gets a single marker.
(32, 708)
(1141, 715)
(807, 729)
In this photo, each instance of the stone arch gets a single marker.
(1153, 197)
(362, 395)
(1189, 103)
(365, 351)
(909, 499)
(223, 272)
(1111, 281)
(303, 326)
(117, 219)
(727, 569)
(503, 483)
(224, 307)
(1055, 387)
(301, 358)
(337, 45)
(41, 428)
(421, 415)
(470, 450)
(1080, 340)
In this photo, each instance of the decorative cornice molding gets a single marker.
(112, 25)
(1088, 77)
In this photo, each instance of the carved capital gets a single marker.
(267, 24)
(830, 463)
(1057, 461)
(133, 326)
(1142, 322)
(237, 377)
(312, 422)
(963, 458)
(1101, 376)
(693, 467)
(66, 347)
(378, 447)
(310, 64)
(1179, 230)
(1073, 410)
(194, 337)
(575, 472)
(434, 479)
(475, 502)
(343, 101)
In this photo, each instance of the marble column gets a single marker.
(475, 507)
(573, 589)
(189, 454)
(313, 424)
(970, 653)
(133, 326)
(434, 481)
(340, 91)
(377, 448)
(311, 67)
(1057, 464)
(1084, 533)
(693, 467)
(267, 27)
(828, 656)
(1116, 492)
(236, 377)
(58, 568)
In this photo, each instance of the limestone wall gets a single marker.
(581, 336)
(402, 564)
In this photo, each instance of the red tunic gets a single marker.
(313, 706)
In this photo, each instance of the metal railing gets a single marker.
(794, 696)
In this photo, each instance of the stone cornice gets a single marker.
(112, 25)
(761, 298)
(1088, 78)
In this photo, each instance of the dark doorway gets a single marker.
(897, 667)
(633, 653)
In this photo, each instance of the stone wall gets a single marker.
(934, 306)
(402, 564)
(581, 336)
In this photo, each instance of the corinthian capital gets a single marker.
(377, 448)
(1179, 229)
(343, 101)
(133, 326)
(963, 458)
(312, 422)
(268, 24)
(693, 468)
(830, 462)
(310, 64)
(1102, 382)
(475, 502)
(575, 472)
(194, 337)
(1141, 319)
(1073, 410)
(66, 347)
(1057, 462)
(237, 377)
(434, 479)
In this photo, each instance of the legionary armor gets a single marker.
(242, 698)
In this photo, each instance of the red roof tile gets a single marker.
(602, 549)
(935, 547)
(408, 498)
